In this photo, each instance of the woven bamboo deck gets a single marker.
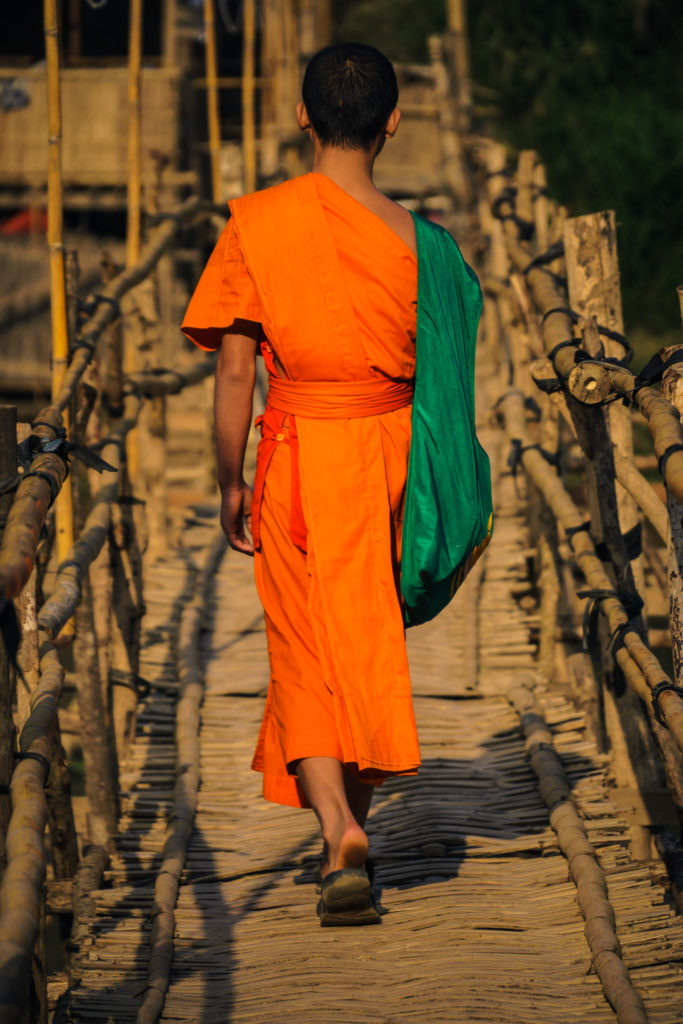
(481, 921)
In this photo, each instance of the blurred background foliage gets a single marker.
(596, 87)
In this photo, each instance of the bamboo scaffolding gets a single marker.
(212, 99)
(185, 794)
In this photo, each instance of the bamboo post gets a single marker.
(593, 278)
(126, 612)
(8, 467)
(593, 281)
(112, 368)
(288, 86)
(134, 195)
(98, 755)
(134, 190)
(152, 429)
(452, 155)
(457, 26)
(672, 389)
(60, 334)
(169, 29)
(248, 96)
(212, 100)
(270, 63)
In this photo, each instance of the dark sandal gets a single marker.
(346, 899)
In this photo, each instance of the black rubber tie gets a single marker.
(657, 691)
(33, 755)
(664, 457)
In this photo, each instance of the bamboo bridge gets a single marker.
(532, 872)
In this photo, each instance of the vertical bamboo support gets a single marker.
(74, 29)
(60, 334)
(452, 155)
(98, 753)
(8, 466)
(212, 101)
(134, 193)
(268, 139)
(593, 279)
(248, 96)
(134, 198)
(672, 389)
(169, 47)
(541, 208)
(457, 25)
(289, 86)
(593, 276)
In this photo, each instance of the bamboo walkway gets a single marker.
(481, 920)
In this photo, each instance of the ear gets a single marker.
(392, 123)
(302, 118)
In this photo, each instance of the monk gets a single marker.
(319, 277)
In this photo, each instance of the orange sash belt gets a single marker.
(316, 400)
(338, 399)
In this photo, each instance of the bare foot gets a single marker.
(349, 851)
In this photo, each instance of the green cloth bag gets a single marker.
(448, 517)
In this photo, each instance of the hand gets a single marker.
(236, 518)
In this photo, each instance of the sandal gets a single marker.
(346, 899)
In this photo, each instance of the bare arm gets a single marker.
(233, 398)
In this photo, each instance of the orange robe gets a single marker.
(335, 290)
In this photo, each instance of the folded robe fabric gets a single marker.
(448, 516)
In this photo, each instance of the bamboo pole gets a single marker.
(101, 776)
(185, 793)
(134, 196)
(672, 388)
(212, 99)
(8, 467)
(584, 866)
(457, 25)
(20, 892)
(248, 94)
(60, 332)
(134, 190)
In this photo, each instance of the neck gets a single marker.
(349, 168)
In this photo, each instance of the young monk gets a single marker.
(319, 276)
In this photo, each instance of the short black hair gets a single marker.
(349, 91)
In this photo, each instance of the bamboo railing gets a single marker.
(552, 327)
(22, 883)
(546, 279)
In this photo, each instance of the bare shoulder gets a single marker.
(397, 218)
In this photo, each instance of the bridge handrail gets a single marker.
(21, 886)
(572, 375)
